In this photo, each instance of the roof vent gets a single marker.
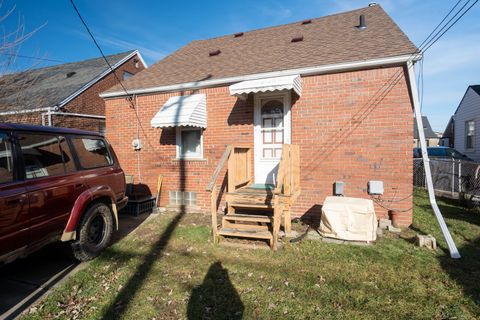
(372, 4)
(297, 39)
(214, 53)
(362, 25)
(307, 21)
(238, 34)
(71, 74)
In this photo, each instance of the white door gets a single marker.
(271, 129)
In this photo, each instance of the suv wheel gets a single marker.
(94, 232)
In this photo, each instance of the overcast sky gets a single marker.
(157, 28)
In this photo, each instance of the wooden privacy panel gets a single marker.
(239, 168)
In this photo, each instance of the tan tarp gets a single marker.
(348, 219)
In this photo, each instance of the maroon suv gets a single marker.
(56, 184)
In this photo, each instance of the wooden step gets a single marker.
(245, 233)
(248, 218)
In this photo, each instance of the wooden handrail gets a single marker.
(288, 175)
(220, 165)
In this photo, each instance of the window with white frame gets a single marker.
(469, 134)
(189, 143)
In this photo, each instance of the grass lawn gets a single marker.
(169, 269)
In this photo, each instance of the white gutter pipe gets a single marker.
(81, 115)
(454, 254)
(9, 113)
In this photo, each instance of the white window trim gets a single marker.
(473, 136)
(178, 135)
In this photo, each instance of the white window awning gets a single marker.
(182, 111)
(243, 88)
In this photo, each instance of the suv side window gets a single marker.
(6, 158)
(436, 152)
(45, 155)
(92, 152)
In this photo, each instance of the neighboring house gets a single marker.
(448, 136)
(313, 83)
(431, 137)
(65, 95)
(464, 125)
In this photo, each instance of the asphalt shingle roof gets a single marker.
(327, 40)
(46, 87)
(427, 129)
(476, 88)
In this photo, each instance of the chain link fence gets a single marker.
(452, 178)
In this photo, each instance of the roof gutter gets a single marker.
(100, 76)
(9, 113)
(302, 71)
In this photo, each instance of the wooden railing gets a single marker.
(212, 188)
(288, 184)
(239, 173)
(288, 176)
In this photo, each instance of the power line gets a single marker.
(29, 57)
(391, 82)
(455, 22)
(132, 104)
(440, 23)
(98, 46)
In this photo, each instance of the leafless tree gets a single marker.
(11, 40)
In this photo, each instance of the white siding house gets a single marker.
(467, 124)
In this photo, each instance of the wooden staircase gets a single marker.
(254, 212)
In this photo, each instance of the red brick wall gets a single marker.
(88, 102)
(343, 134)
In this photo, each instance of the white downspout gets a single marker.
(426, 164)
(49, 116)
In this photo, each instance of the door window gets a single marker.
(6, 159)
(92, 152)
(272, 129)
(45, 155)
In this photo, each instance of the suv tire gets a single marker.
(94, 232)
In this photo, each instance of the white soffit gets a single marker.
(243, 88)
(182, 111)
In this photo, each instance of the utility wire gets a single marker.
(29, 57)
(130, 99)
(440, 23)
(455, 22)
(390, 83)
(98, 46)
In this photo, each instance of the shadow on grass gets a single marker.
(125, 297)
(215, 298)
(466, 271)
(456, 213)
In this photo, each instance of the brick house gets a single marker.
(323, 84)
(65, 95)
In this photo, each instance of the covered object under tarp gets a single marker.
(346, 218)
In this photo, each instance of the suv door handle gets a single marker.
(14, 201)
